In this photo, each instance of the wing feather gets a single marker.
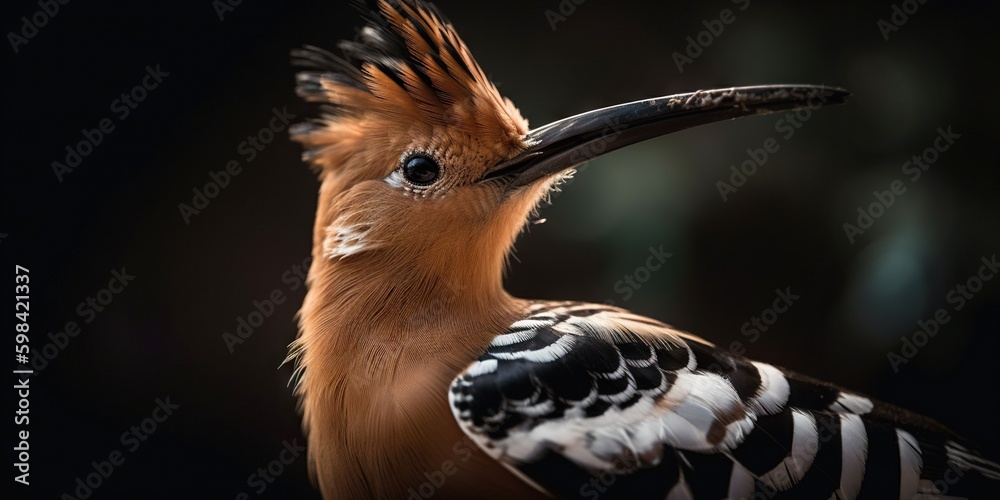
(582, 399)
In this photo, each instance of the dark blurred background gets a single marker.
(195, 278)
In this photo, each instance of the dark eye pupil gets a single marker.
(421, 170)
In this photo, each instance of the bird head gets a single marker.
(429, 174)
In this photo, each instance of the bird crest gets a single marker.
(406, 76)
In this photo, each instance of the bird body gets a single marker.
(419, 375)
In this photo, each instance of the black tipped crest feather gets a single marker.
(407, 65)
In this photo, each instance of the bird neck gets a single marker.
(381, 340)
(377, 304)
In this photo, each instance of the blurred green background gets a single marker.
(783, 229)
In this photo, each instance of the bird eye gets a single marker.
(421, 170)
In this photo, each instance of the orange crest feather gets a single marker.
(407, 71)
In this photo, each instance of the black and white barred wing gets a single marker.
(583, 401)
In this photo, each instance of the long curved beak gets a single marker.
(578, 139)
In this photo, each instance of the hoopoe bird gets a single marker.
(419, 375)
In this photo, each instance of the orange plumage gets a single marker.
(364, 322)
(416, 367)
